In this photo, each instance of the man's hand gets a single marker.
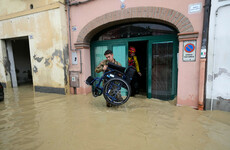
(139, 73)
(105, 67)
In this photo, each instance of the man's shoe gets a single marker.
(109, 105)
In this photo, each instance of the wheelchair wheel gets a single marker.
(116, 91)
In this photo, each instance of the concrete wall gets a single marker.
(218, 64)
(90, 17)
(45, 25)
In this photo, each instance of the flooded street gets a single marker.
(41, 121)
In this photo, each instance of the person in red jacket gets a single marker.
(134, 62)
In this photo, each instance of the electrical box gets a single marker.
(74, 58)
(74, 79)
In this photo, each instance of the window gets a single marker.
(134, 30)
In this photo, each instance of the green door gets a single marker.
(162, 68)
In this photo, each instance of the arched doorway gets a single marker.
(157, 48)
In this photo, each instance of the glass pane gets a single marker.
(162, 70)
(134, 30)
(120, 55)
(99, 56)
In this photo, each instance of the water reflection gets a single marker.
(42, 121)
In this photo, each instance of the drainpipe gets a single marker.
(70, 40)
(204, 50)
(75, 84)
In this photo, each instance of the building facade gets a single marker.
(218, 62)
(33, 45)
(166, 34)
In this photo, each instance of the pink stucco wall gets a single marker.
(188, 78)
(84, 13)
(188, 72)
(86, 71)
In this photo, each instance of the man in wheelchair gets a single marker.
(116, 81)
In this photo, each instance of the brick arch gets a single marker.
(154, 14)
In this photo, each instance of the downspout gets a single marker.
(70, 40)
(204, 50)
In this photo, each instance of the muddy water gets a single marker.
(42, 121)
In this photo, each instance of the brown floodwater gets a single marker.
(31, 120)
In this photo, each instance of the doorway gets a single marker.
(157, 57)
(20, 64)
(141, 53)
(159, 74)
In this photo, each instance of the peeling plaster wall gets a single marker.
(218, 64)
(47, 40)
(2, 67)
(14, 6)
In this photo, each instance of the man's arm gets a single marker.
(99, 68)
(137, 65)
(117, 63)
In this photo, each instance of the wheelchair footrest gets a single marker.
(90, 80)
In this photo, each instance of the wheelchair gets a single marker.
(114, 84)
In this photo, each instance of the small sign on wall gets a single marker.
(189, 51)
(203, 53)
(74, 28)
(73, 79)
(194, 8)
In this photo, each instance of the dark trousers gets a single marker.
(134, 84)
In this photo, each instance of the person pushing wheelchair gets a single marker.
(133, 62)
(103, 65)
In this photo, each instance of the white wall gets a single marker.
(2, 58)
(218, 67)
(12, 63)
